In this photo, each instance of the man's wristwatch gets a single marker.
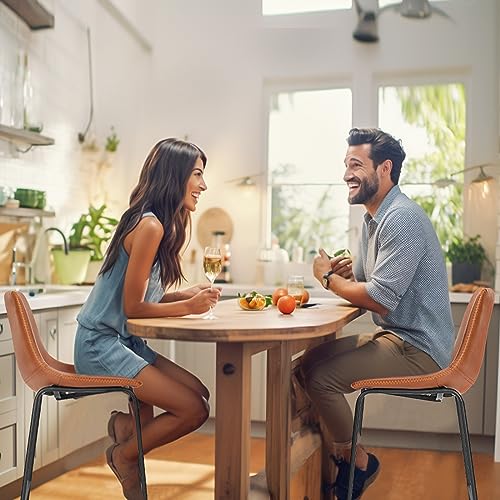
(326, 277)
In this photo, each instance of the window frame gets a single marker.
(272, 87)
(365, 111)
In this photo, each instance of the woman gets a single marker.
(142, 261)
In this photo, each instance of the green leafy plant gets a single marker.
(92, 230)
(466, 249)
(112, 141)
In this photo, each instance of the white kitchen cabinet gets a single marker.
(81, 421)
(11, 409)
(47, 445)
(49, 421)
(403, 414)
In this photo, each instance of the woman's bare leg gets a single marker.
(186, 410)
(181, 375)
(124, 424)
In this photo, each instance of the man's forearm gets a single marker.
(355, 292)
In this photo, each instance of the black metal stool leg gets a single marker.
(140, 459)
(30, 449)
(466, 448)
(356, 431)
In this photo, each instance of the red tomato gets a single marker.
(279, 292)
(305, 297)
(286, 304)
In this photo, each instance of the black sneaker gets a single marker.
(362, 478)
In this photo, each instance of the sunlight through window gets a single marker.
(274, 7)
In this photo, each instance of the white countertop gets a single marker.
(64, 295)
(231, 290)
(52, 296)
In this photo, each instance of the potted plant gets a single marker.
(112, 141)
(467, 256)
(92, 231)
(83, 252)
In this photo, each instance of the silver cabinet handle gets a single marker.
(53, 332)
(1, 328)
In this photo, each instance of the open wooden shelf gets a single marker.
(35, 15)
(22, 136)
(25, 212)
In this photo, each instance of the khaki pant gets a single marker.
(330, 368)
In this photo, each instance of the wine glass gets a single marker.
(295, 286)
(212, 266)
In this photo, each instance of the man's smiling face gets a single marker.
(360, 175)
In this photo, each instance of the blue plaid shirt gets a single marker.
(403, 266)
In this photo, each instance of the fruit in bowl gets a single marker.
(253, 301)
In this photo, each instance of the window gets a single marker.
(273, 7)
(306, 150)
(430, 120)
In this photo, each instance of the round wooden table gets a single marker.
(238, 335)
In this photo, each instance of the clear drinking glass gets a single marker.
(295, 285)
(212, 266)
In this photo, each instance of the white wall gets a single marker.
(213, 60)
(206, 78)
(59, 61)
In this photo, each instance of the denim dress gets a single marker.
(103, 346)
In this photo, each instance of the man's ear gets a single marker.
(387, 167)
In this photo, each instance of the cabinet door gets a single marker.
(394, 413)
(81, 421)
(11, 410)
(491, 374)
(49, 421)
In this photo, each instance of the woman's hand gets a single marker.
(201, 301)
(187, 293)
(193, 290)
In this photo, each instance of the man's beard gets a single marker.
(366, 191)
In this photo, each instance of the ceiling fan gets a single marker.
(415, 9)
(366, 29)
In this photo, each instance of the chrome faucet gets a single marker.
(15, 267)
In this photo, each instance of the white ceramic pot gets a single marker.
(93, 270)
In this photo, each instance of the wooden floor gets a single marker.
(184, 471)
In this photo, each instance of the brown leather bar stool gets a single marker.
(452, 381)
(50, 377)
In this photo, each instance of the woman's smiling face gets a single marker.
(195, 185)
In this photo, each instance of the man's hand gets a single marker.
(321, 265)
(342, 266)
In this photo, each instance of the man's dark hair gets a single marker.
(384, 147)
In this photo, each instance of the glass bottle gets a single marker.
(226, 264)
(18, 92)
(30, 119)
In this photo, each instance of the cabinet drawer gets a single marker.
(7, 381)
(8, 438)
(8, 448)
(5, 333)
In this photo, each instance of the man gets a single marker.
(400, 276)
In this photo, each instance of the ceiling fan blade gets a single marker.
(359, 10)
(440, 12)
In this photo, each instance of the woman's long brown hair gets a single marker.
(161, 189)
